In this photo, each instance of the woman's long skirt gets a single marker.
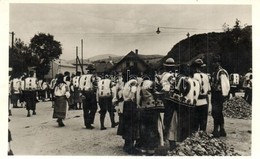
(60, 107)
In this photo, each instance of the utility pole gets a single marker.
(12, 40)
(76, 59)
(82, 52)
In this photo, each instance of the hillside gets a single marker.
(234, 47)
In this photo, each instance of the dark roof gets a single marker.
(131, 56)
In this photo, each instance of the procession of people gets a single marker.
(159, 109)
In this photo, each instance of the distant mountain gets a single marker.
(146, 58)
(95, 58)
(101, 57)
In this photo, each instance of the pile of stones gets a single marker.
(203, 144)
(238, 108)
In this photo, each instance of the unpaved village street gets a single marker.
(40, 134)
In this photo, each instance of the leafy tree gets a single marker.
(45, 48)
(236, 48)
(19, 57)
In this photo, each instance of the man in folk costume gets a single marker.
(9, 97)
(30, 88)
(88, 87)
(247, 86)
(104, 99)
(128, 126)
(76, 92)
(220, 89)
(201, 109)
(61, 93)
(22, 97)
(45, 88)
(167, 80)
(39, 91)
(15, 89)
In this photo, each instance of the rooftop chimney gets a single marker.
(136, 51)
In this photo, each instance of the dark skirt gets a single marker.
(128, 124)
(149, 133)
(60, 107)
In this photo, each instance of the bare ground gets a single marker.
(40, 135)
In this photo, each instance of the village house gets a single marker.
(59, 66)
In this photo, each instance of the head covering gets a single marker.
(169, 62)
(60, 79)
(198, 63)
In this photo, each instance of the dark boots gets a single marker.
(222, 131)
(60, 122)
(102, 120)
(219, 133)
(9, 112)
(172, 145)
(28, 113)
(112, 119)
(215, 132)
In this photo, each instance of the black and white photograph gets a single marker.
(129, 79)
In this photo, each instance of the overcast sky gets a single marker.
(119, 28)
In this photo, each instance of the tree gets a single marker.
(236, 48)
(45, 48)
(19, 57)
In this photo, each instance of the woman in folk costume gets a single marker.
(201, 109)
(61, 93)
(128, 126)
(151, 130)
(118, 100)
(220, 90)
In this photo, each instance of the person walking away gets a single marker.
(61, 93)
(77, 93)
(15, 90)
(30, 88)
(220, 90)
(202, 104)
(88, 88)
(104, 98)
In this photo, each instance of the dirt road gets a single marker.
(40, 134)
